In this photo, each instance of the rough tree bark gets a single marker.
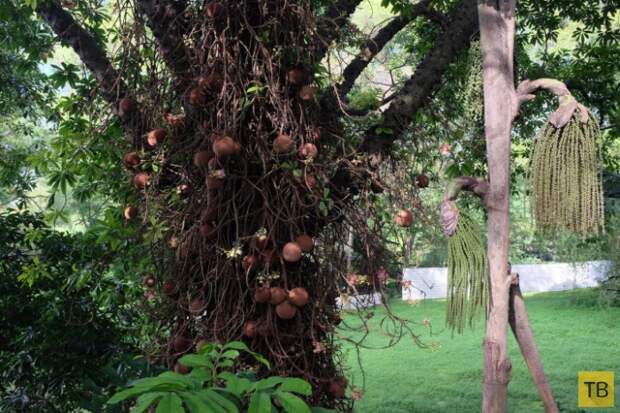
(522, 330)
(497, 28)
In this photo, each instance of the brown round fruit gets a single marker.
(306, 243)
(131, 160)
(181, 369)
(296, 76)
(337, 387)
(156, 137)
(291, 252)
(181, 344)
(206, 230)
(249, 262)
(149, 281)
(213, 82)
(183, 189)
(404, 218)
(261, 241)
(422, 181)
(307, 92)
(286, 310)
(169, 288)
(130, 213)
(141, 180)
(283, 144)
(173, 242)
(174, 120)
(298, 296)
(315, 134)
(225, 146)
(215, 10)
(308, 151)
(213, 182)
(201, 159)
(277, 295)
(262, 295)
(197, 97)
(126, 106)
(311, 182)
(196, 306)
(249, 329)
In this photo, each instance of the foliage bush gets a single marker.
(217, 384)
(64, 318)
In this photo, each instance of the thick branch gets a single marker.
(376, 43)
(568, 104)
(522, 330)
(166, 21)
(449, 213)
(86, 46)
(331, 24)
(462, 25)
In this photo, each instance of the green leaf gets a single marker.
(268, 383)
(321, 410)
(174, 380)
(224, 402)
(260, 403)
(170, 403)
(200, 374)
(145, 401)
(125, 394)
(237, 345)
(231, 354)
(194, 403)
(237, 385)
(196, 360)
(292, 403)
(296, 385)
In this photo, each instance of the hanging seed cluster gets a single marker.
(468, 281)
(567, 188)
(473, 95)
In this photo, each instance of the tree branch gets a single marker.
(376, 43)
(87, 48)
(166, 20)
(462, 25)
(449, 213)
(568, 104)
(331, 23)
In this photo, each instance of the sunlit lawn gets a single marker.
(572, 332)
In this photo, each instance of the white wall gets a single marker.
(432, 282)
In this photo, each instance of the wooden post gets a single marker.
(497, 27)
(522, 329)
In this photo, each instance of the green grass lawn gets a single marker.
(573, 333)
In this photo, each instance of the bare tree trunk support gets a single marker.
(522, 329)
(497, 27)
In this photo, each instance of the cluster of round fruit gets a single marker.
(286, 302)
(404, 217)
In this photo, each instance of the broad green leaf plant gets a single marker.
(214, 385)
